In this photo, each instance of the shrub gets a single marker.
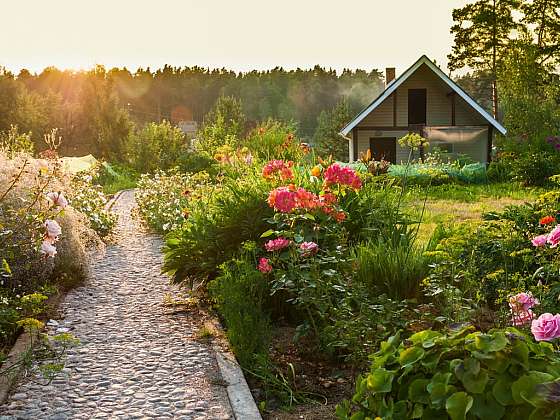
(90, 200)
(458, 375)
(114, 177)
(274, 140)
(13, 142)
(216, 227)
(156, 146)
(241, 293)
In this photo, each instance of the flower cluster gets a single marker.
(264, 265)
(274, 167)
(308, 248)
(335, 174)
(290, 198)
(414, 140)
(521, 308)
(552, 238)
(277, 244)
(547, 220)
(52, 232)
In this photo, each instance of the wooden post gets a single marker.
(489, 149)
(395, 108)
(355, 143)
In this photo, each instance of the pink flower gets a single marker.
(278, 166)
(48, 249)
(335, 174)
(546, 327)
(53, 229)
(309, 248)
(282, 199)
(277, 244)
(554, 237)
(522, 317)
(540, 240)
(264, 266)
(522, 302)
(57, 199)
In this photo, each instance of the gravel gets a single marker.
(135, 359)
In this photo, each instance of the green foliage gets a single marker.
(440, 173)
(241, 294)
(156, 146)
(90, 200)
(458, 375)
(13, 142)
(395, 269)
(217, 226)
(274, 140)
(223, 125)
(326, 138)
(115, 177)
(163, 198)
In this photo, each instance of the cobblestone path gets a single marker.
(135, 360)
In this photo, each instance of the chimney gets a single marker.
(389, 75)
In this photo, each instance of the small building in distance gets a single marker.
(426, 101)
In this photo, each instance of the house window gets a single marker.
(417, 106)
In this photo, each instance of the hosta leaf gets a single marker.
(380, 380)
(411, 355)
(485, 407)
(417, 391)
(458, 405)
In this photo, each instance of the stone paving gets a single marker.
(135, 359)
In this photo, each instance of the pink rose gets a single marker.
(540, 240)
(277, 244)
(48, 249)
(546, 327)
(57, 199)
(522, 302)
(264, 266)
(309, 248)
(53, 229)
(554, 237)
(522, 317)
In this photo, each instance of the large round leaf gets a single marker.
(380, 380)
(410, 356)
(458, 405)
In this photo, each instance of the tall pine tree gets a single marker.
(482, 32)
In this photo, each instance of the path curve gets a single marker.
(135, 359)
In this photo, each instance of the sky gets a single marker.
(239, 35)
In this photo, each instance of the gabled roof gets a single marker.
(403, 77)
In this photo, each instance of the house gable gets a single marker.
(423, 74)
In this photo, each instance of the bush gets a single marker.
(458, 375)
(13, 142)
(90, 200)
(216, 227)
(156, 146)
(241, 293)
(114, 177)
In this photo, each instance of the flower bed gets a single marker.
(300, 244)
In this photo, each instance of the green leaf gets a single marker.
(426, 338)
(491, 342)
(380, 380)
(520, 353)
(485, 407)
(502, 391)
(6, 267)
(524, 389)
(417, 391)
(475, 383)
(417, 411)
(308, 216)
(410, 356)
(268, 233)
(458, 405)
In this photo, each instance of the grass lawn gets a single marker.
(457, 203)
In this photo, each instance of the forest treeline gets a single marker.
(94, 110)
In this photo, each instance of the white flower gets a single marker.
(53, 229)
(48, 249)
(57, 199)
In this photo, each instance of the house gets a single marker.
(426, 101)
